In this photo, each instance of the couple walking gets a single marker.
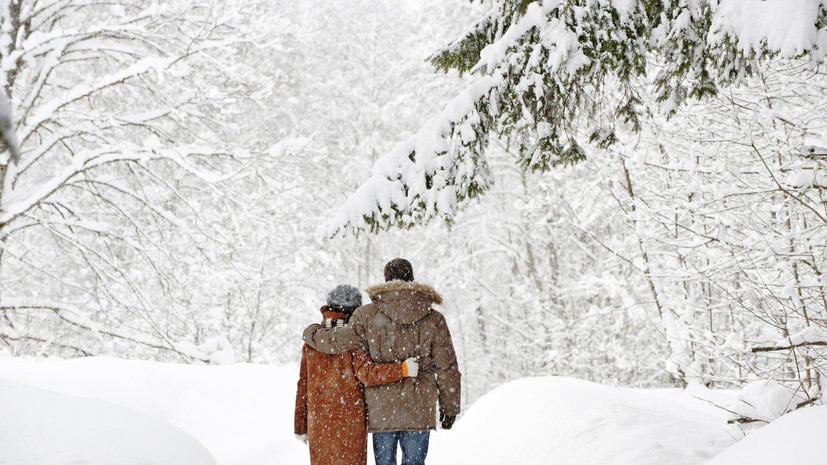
(380, 367)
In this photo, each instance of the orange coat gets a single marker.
(330, 405)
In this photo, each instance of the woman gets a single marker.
(330, 408)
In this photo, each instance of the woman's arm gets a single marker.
(374, 374)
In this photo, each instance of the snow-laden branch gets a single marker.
(79, 320)
(46, 112)
(536, 16)
(561, 70)
(426, 175)
(786, 27)
(19, 205)
(812, 336)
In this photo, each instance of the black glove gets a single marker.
(447, 420)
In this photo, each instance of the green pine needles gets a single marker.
(556, 75)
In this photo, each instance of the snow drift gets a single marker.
(562, 420)
(39, 427)
(797, 437)
(103, 411)
(242, 414)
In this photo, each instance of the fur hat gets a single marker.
(399, 269)
(345, 298)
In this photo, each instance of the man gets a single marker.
(399, 324)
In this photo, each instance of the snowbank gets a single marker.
(563, 420)
(242, 414)
(797, 437)
(39, 427)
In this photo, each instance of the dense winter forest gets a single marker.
(628, 192)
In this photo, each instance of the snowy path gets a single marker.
(242, 415)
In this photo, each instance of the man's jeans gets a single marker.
(414, 446)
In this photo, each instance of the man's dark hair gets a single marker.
(400, 269)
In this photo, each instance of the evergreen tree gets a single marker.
(553, 76)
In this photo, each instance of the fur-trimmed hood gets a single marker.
(397, 285)
(404, 302)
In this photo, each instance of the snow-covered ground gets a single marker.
(797, 437)
(110, 411)
(44, 427)
(533, 420)
(242, 414)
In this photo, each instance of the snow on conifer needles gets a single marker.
(564, 75)
(430, 173)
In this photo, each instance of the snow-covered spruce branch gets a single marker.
(553, 61)
(471, 42)
(428, 175)
(76, 319)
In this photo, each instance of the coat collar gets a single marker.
(397, 285)
(333, 318)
